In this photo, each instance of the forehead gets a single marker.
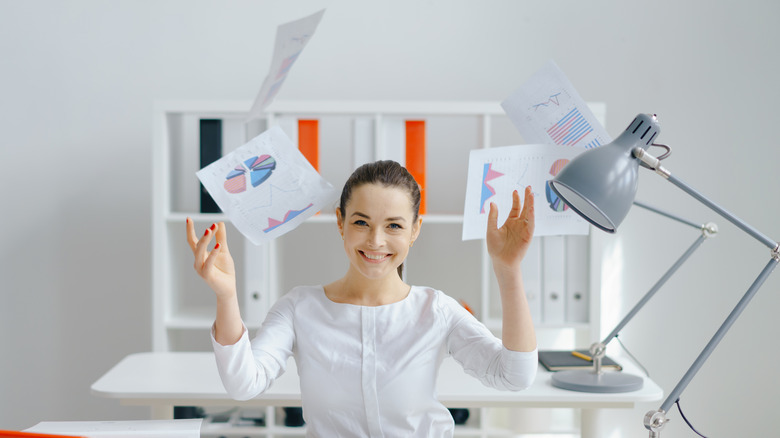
(382, 201)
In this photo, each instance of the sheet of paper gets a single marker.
(494, 173)
(122, 429)
(547, 109)
(267, 187)
(290, 40)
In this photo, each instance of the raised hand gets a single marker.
(216, 266)
(508, 245)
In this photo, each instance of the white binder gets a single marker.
(577, 298)
(553, 278)
(532, 280)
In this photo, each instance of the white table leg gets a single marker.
(590, 423)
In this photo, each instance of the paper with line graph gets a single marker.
(547, 109)
(494, 173)
(267, 187)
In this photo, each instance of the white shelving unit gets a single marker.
(350, 133)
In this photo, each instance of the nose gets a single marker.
(376, 238)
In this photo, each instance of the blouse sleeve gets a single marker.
(483, 355)
(247, 368)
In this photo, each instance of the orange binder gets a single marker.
(309, 141)
(18, 434)
(415, 155)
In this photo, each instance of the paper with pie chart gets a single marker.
(267, 187)
(494, 173)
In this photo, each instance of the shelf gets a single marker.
(433, 218)
(183, 305)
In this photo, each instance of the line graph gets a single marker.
(553, 99)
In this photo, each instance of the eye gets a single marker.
(395, 226)
(360, 223)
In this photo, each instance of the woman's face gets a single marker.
(378, 228)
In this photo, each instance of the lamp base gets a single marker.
(588, 381)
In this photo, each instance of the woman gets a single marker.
(368, 346)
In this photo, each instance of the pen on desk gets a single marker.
(581, 356)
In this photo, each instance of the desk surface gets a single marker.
(191, 378)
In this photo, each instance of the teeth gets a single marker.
(374, 257)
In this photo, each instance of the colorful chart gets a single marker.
(259, 169)
(487, 190)
(275, 223)
(556, 204)
(570, 129)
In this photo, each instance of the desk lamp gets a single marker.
(600, 185)
(595, 379)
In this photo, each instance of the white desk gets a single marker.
(164, 380)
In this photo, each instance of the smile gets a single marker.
(374, 257)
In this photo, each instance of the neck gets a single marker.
(356, 289)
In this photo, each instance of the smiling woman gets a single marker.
(368, 346)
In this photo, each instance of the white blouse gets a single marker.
(370, 371)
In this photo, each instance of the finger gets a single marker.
(212, 257)
(528, 208)
(221, 235)
(192, 239)
(515, 212)
(492, 222)
(201, 249)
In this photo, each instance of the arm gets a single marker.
(507, 246)
(218, 271)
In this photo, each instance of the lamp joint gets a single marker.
(709, 229)
(650, 162)
(655, 421)
(776, 253)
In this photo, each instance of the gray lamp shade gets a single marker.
(600, 184)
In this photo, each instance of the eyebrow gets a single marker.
(390, 219)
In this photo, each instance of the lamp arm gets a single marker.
(655, 288)
(654, 164)
(712, 228)
(655, 420)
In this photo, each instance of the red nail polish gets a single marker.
(216, 246)
(213, 227)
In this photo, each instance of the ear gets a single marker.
(416, 229)
(340, 222)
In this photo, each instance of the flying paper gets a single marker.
(291, 38)
(266, 187)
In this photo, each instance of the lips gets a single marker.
(374, 257)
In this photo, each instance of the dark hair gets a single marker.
(387, 173)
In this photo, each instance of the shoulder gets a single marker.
(440, 302)
(288, 302)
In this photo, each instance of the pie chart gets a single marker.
(556, 204)
(258, 169)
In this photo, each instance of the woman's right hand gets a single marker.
(216, 266)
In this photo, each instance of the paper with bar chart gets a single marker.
(267, 187)
(494, 173)
(547, 109)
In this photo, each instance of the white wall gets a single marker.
(77, 82)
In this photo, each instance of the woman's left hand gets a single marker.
(508, 245)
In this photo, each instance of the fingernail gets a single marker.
(216, 246)
(207, 232)
(213, 227)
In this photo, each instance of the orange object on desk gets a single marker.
(19, 434)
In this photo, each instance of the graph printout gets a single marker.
(267, 187)
(548, 110)
(291, 38)
(494, 173)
